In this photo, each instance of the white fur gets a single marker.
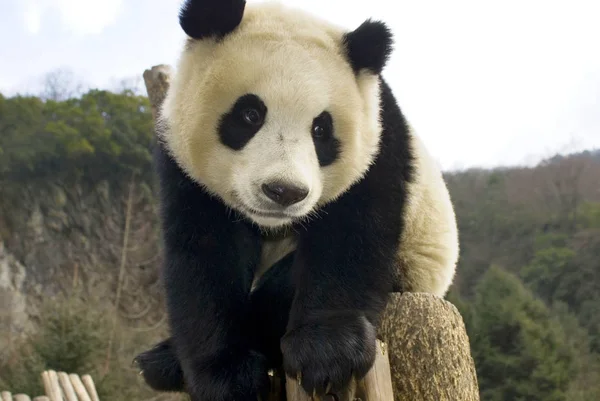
(294, 62)
(429, 246)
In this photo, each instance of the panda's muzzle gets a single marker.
(284, 194)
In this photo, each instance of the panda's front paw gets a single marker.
(232, 376)
(326, 352)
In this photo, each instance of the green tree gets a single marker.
(546, 274)
(99, 135)
(584, 386)
(519, 348)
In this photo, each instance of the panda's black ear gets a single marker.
(369, 46)
(201, 19)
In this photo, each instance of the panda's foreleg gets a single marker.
(343, 276)
(270, 309)
(208, 272)
(270, 304)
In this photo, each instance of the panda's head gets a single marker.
(274, 110)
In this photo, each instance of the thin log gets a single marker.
(46, 383)
(50, 388)
(22, 397)
(67, 386)
(6, 396)
(122, 265)
(41, 398)
(79, 388)
(88, 382)
(57, 393)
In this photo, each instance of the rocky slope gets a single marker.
(67, 236)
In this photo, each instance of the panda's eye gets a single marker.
(322, 126)
(252, 116)
(318, 131)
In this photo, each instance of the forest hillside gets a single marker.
(79, 255)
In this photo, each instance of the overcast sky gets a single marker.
(483, 82)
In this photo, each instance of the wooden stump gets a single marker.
(430, 355)
(424, 355)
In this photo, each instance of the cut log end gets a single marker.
(429, 350)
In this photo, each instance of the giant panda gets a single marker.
(294, 199)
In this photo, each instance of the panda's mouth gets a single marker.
(264, 213)
(272, 217)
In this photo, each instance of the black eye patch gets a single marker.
(242, 121)
(327, 146)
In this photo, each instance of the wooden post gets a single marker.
(375, 386)
(429, 350)
(157, 80)
(424, 352)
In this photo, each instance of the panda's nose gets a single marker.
(283, 193)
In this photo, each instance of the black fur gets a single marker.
(161, 368)
(210, 258)
(369, 46)
(201, 19)
(343, 267)
(234, 131)
(269, 309)
(330, 298)
(327, 146)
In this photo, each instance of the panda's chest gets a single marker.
(273, 249)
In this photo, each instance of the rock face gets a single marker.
(13, 313)
(59, 237)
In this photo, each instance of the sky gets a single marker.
(484, 83)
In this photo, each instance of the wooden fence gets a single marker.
(60, 386)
